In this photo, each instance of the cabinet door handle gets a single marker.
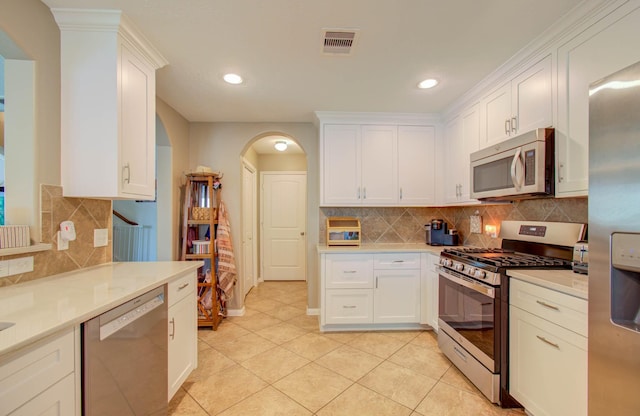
(126, 179)
(400, 192)
(364, 192)
(514, 124)
(173, 328)
(183, 286)
(348, 271)
(507, 127)
(546, 341)
(398, 261)
(546, 305)
(348, 306)
(376, 282)
(560, 177)
(358, 193)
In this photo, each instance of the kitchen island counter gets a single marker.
(46, 306)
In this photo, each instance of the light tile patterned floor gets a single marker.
(275, 361)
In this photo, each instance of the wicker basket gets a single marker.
(202, 213)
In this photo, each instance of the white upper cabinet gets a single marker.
(520, 105)
(377, 165)
(340, 175)
(359, 165)
(416, 165)
(108, 106)
(379, 161)
(600, 50)
(461, 139)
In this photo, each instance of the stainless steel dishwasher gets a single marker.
(124, 360)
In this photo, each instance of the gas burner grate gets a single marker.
(499, 257)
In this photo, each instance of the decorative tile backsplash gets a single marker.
(87, 215)
(406, 225)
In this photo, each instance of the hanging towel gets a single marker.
(227, 274)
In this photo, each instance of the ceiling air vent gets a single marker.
(339, 41)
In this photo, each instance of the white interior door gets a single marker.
(249, 227)
(283, 218)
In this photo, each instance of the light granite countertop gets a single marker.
(45, 306)
(565, 281)
(383, 248)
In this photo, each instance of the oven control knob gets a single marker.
(480, 274)
(459, 267)
(471, 271)
(446, 262)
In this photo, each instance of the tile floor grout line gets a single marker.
(308, 325)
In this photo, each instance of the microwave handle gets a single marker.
(517, 159)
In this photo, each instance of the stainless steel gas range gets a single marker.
(474, 297)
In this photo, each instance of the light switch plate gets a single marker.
(475, 224)
(100, 237)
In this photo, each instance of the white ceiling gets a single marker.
(276, 46)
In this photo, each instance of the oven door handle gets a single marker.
(485, 290)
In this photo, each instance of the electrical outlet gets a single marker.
(62, 244)
(100, 237)
(21, 265)
(4, 268)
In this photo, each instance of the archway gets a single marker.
(260, 157)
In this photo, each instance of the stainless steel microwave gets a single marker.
(518, 168)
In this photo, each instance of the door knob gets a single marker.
(301, 232)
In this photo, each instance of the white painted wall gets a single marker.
(220, 146)
(29, 23)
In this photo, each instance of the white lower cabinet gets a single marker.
(396, 296)
(57, 400)
(349, 306)
(42, 379)
(429, 290)
(370, 289)
(183, 330)
(548, 361)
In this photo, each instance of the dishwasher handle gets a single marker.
(130, 316)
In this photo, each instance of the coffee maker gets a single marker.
(438, 234)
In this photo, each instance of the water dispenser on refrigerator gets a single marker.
(625, 280)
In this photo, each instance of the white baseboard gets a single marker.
(313, 311)
(236, 312)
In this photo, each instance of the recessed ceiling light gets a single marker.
(281, 145)
(428, 83)
(233, 78)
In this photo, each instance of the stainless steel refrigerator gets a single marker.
(614, 244)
